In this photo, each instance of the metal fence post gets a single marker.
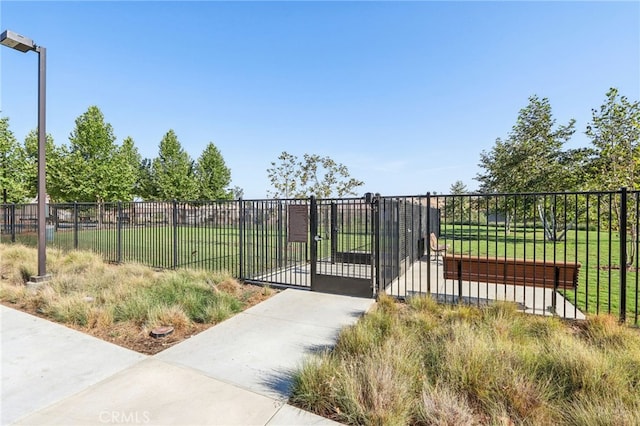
(13, 222)
(241, 237)
(427, 242)
(376, 212)
(119, 234)
(313, 231)
(459, 264)
(623, 254)
(175, 234)
(556, 286)
(75, 225)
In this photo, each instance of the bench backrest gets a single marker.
(512, 271)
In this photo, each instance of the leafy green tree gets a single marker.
(313, 175)
(31, 165)
(130, 160)
(173, 171)
(532, 159)
(213, 175)
(237, 192)
(456, 207)
(12, 160)
(146, 186)
(615, 135)
(93, 168)
(284, 176)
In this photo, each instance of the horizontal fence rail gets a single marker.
(566, 254)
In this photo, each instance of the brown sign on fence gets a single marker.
(298, 225)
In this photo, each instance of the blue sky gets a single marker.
(406, 94)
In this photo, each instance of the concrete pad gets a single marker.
(260, 348)
(44, 362)
(292, 416)
(534, 300)
(154, 392)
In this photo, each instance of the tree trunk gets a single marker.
(631, 251)
(550, 225)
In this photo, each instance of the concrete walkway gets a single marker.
(236, 373)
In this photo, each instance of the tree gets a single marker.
(94, 168)
(531, 159)
(31, 164)
(173, 171)
(455, 207)
(237, 192)
(146, 186)
(12, 160)
(130, 160)
(284, 176)
(615, 135)
(313, 175)
(213, 175)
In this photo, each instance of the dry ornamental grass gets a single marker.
(122, 303)
(422, 363)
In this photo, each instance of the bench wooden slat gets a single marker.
(511, 271)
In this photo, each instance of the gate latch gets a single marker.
(317, 238)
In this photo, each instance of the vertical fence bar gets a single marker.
(119, 233)
(459, 264)
(334, 232)
(175, 234)
(586, 255)
(623, 254)
(598, 238)
(75, 225)
(13, 222)
(610, 250)
(427, 242)
(375, 215)
(241, 238)
(636, 226)
(313, 233)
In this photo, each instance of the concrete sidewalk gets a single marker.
(237, 372)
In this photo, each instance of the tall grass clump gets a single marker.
(86, 292)
(421, 363)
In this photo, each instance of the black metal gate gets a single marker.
(342, 246)
(350, 246)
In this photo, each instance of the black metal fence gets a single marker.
(385, 240)
(596, 230)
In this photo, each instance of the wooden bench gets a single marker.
(534, 273)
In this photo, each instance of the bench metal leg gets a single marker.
(554, 295)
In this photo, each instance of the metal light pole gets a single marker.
(24, 44)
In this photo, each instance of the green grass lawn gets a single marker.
(265, 249)
(597, 251)
(205, 247)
